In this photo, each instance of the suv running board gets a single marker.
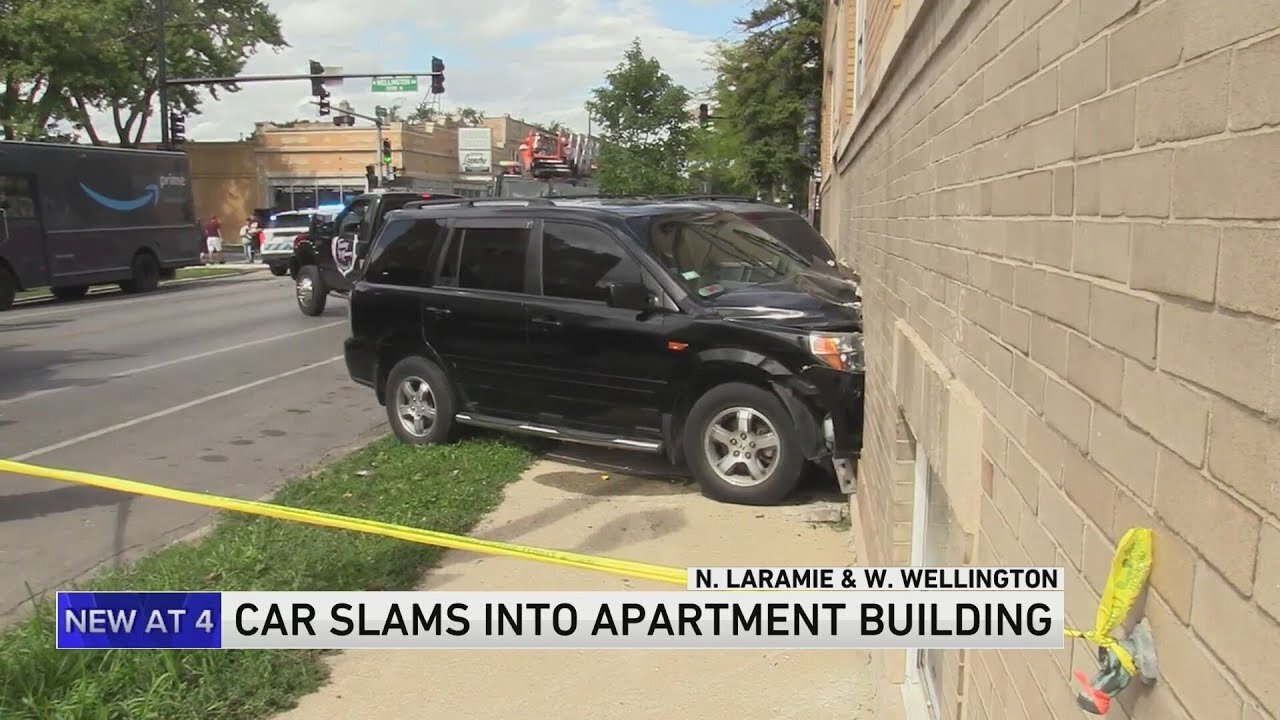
(575, 436)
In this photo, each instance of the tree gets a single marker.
(555, 126)
(468, 115)
(715, 161)
(81, 56)
(37, 73)
(765, 87)
(645, 127)
(423, 114)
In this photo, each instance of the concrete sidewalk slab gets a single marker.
(645, 518)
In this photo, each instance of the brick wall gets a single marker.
(1067, 218)
(224, 180)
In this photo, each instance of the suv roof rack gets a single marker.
(665, 198)
(473, 202)
(695, 197)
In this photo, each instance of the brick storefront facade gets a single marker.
(316, 163)
(1067, 217)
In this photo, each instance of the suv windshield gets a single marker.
(796, 232)
(714, 253)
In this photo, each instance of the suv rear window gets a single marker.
(796, 232)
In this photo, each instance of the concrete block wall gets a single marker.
(1069, 210)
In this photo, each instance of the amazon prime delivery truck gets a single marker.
(72, 216)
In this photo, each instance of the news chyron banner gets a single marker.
(722, 608)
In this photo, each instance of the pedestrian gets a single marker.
(248, 238)
(213, 238)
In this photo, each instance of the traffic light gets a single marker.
(177, 128)
(704, 114)
(344, 121)
(437, 76)
(386, 152)
(317, 81)
(370, 177)
(324, 104)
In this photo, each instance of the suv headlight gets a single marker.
(842, 351)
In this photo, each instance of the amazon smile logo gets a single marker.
(150, 197)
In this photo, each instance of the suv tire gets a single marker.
(310, 291)
(279, 270)
(419, 402)
(747, 418)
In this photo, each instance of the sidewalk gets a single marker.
(654, 520)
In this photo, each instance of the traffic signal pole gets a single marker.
(162, 83)
(237, 79)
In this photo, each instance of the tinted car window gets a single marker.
(492, 258)
(349, 220)
(796, 232)
(17, 197)
(580, 262)
(405, 253)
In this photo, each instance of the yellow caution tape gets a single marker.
(1129, 570)
(626, 568)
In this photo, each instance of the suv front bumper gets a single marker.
(837, 397)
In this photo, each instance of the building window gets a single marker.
(930, 539)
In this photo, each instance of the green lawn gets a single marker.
(187, 273)
(445, 488)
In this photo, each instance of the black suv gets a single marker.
(325, 256)
(666, 327)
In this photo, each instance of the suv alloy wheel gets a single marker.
(742, 446)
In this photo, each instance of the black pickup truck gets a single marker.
(325, 256)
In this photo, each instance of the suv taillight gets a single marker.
(299, 239)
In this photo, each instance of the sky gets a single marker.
(533, 59)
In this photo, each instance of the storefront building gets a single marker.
(310, 164)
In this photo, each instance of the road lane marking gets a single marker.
(168, 363)
(169, 411)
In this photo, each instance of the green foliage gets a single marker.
(765, 86)
(644, 127)
(65, 58)
(468, 115)
(443, 487)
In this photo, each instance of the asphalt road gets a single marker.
(220, 386)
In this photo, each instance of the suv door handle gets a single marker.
(547, 322)
(439, 312)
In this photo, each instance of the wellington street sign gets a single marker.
(395, 84)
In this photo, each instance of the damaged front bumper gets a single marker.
(839, 396)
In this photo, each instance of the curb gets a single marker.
(108, 289)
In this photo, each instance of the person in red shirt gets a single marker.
(213, 239)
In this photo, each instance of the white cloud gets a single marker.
(574, 43)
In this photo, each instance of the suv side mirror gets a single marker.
(630, 296)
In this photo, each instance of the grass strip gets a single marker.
(186, 273)
(447, 488)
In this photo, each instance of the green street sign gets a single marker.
(395, 84)
(380, 111)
